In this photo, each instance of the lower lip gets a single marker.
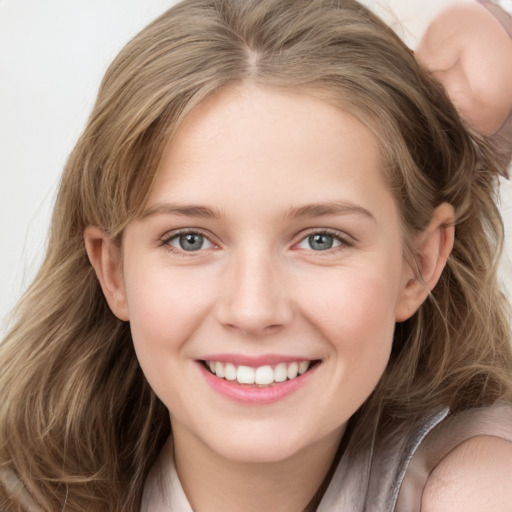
(247, 394)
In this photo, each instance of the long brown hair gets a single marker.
(79, 425)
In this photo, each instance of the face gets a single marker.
(264, 279)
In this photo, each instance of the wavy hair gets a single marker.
(79, 425)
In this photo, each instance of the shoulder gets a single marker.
(474, 477)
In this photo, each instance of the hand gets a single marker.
(468, 50)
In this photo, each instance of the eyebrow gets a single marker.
(329, 208)
(306, 211)
(181, 210)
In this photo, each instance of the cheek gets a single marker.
(357, 316)
(354, 314)
(165, 307)
(360, 302)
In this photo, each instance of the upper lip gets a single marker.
(255, 361)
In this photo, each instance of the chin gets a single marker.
(258, 453)
(263, 445)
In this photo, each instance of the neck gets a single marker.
(212, 482)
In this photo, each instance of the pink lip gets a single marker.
(254, 361)
(246, 394)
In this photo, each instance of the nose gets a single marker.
(254, 299)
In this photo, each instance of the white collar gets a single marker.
(163, 490)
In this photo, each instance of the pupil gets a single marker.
(320, 242)
(191, 242)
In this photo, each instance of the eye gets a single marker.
(323, 241)
(190, 241)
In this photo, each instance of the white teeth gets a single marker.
(261, 376)
(303, 366)
(264, 375)
(293, 370)
(219, 369)
(244, 375)
(280, 373)
(230, 372)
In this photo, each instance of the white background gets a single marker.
(53, 54)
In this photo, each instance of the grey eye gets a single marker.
(320, 241)
(190, 242)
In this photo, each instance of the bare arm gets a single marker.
(469, 51)
(475, 477)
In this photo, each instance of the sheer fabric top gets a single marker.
(389, 476)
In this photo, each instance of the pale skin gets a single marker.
(475, 477)
(469, 51)
(255, 285)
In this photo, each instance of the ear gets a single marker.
(431, 251)
(105, 257)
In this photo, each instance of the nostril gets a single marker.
(254, 319)
(273, 327)
(254, 330)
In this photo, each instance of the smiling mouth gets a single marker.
(262, 376)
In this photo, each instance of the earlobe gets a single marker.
(432, 249)
(105, 257)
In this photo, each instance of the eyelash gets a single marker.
(343, 240)
(166, 241)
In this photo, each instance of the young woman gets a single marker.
(270, 283)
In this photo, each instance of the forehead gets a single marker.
(250, 145)
(247, 125)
